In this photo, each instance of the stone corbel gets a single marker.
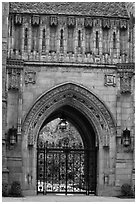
(35, 20)
(88, 22)
(106, 23)
(53, 21)
(18, 19)
(71, 21)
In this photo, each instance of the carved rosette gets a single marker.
(18, 19)
(13, 78)
(53, 20)
(30, 77)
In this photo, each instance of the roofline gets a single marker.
(78, 15)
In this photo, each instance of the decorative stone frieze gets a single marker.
(88, 22)
(110, 80)
(53, 20)
(18, 19)
(123, 24)
(35, 20)
(106, 23)
(71, 21)
(30, 77)
(13, 63)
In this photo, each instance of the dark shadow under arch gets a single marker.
(79, 121)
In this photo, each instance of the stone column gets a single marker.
(5, 13)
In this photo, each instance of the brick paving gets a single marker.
(69, 198)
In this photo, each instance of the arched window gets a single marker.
(114, 40)
(17, 38)
(26, 38)
(11, 26)
(43, 39)
(97, 41)
(70, 39)
(88, 40)
(106, 40)
(35, 38)
(61, 38)
(123, 41)
(79, 38)
(53, 39)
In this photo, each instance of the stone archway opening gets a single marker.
(91, 118)
(66, 159)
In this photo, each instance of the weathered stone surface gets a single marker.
(50, 80)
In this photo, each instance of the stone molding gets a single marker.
(69, 92)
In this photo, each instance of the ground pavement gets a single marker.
(68, 198)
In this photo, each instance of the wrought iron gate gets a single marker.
(65, 169)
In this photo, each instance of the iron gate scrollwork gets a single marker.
(64, 169)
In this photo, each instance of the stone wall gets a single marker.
(32, 72)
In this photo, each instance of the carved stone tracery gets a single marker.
(18, 19)
(125, 71)
(106, 23)
(72, 94)
(71, 21)
(35, 20)
(53, 20)
(14, 78)
(88, 22)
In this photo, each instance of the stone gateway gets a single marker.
(68, 96)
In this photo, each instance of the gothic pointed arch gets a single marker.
(78, 97)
